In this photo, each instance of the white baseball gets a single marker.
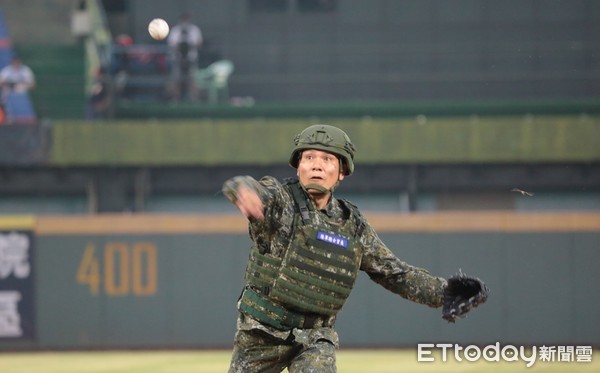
(158, 28)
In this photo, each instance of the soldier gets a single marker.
(308, 247)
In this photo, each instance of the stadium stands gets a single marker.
(5, 43)
(18, 108)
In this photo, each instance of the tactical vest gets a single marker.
(316, 273)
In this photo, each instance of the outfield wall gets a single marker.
(162, 281)
(447, 140)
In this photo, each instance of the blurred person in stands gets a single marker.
(99, 98)
(120, 63)
(16, 77)
(185, 41)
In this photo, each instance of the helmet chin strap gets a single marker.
(319, 188)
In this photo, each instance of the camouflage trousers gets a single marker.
(258, 351)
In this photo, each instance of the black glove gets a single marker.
(461, 295)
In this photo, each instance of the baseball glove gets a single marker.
(461, 295)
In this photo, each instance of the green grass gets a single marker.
(349, 361)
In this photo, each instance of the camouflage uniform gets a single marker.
(263, 348)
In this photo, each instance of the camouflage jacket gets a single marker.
(378, 261)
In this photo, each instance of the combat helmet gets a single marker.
(327, 138)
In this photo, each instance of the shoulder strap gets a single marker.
(361, 223)
(302, 206)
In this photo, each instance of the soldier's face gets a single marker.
(319, 167)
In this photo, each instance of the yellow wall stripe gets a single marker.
(17, 222)
(487, 221)
(382, 222)
(140, 224)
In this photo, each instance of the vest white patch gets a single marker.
(332, 239)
